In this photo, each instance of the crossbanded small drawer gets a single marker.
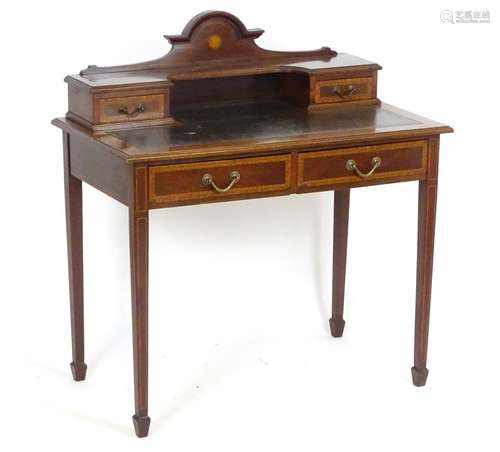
(130, 108)
(194, 182)
(344, 90)
(363, 165)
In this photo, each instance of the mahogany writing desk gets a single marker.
(218, 119)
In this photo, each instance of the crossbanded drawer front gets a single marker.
(363, 164)
(130, 108)
(200, 181)
(344, 90)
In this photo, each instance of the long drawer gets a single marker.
(197, 182)
(363, 165)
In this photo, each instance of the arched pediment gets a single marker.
(213, 38)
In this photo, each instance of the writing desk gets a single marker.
(218, 119)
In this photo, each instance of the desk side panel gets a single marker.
(93, 163)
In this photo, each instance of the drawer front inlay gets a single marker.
(131, 108)
(187, 181)
(400, 161)
(344, 90)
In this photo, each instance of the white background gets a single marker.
(240, 356)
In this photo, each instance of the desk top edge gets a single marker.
(419, 127)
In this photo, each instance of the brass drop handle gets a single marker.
(350, 91)
(208, 179)
(351, 166)
(140, 109)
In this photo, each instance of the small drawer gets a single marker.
(131, 108)
(363, 165)
(344, 90)
(195, 182)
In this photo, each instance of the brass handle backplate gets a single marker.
(352, 166)
(208, 179)
(350, 91)
(140, 109)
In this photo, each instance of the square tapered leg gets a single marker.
(427, 201)
(139, 232)
(340, 229)
(74, 231)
